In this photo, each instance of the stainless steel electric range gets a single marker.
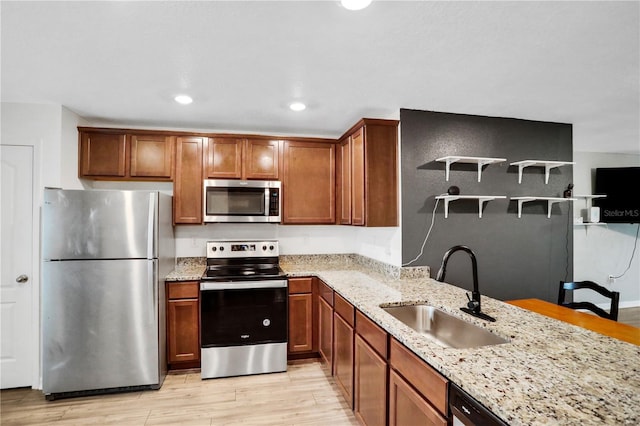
(243, 310)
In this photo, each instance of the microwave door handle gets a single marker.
(266, 201)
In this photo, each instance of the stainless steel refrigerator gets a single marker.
(105, 255)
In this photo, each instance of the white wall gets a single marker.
(69, 149)
(382, 244)
(51, 131)
(600, 251)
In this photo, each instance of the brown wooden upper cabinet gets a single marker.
(187, 185)
(241, 158)
(113, 154)
(308, 182)
(367, 175)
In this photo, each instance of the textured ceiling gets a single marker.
(121, 63)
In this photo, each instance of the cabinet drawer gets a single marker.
(326, 292)
(424, 378)
(372, 334)
(183, 290)
(344, 309)
(300, 285)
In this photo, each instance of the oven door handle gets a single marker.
(239, 285)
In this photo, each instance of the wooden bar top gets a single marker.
(591, 322)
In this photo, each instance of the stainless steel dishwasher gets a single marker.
(466, 411)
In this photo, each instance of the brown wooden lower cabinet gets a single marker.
(183, 330)
(343, 356)
(370, 385)
(408, 407)
(426, 390)
(325, 332)
(302, 317)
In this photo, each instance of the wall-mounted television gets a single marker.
(621, 185)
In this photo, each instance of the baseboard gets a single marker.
(629, 304)
(621, 305)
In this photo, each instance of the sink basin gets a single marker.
(445, 329)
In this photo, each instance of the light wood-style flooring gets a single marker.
(304, 395)
(629, 316)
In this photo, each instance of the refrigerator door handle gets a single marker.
(151, 237)
(154, 290)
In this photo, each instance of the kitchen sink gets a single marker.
(446, 330)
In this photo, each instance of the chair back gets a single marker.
(614, 296)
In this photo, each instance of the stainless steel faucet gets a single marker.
(473, 305)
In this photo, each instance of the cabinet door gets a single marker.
(344, 181)
(357, 178)
(370, 385)
(300, 322)
(152, 156)
(343, 357)
(224, 158)
(103, 154)
(187, 187)
(309, 183)
(408, 407)
(183, 334)
(325, 332)
(381, 173)
(262, 159)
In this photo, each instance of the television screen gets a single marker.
(621, 185)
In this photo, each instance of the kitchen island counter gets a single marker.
(551, 372)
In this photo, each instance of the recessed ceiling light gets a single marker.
(183, 99)
(355, 4)
(297, 106)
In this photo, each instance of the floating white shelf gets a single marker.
(550, 202)
(588, 201)
(548, 165)
(480, 161)
(481, 200)
(589, 197)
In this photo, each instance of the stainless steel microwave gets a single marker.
(228, 200)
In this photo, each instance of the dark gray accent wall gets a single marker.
(517, 257)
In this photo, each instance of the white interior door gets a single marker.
(16, 267)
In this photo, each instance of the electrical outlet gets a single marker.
(611, 279)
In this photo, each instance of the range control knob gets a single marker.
(270, 247)
(221, 248)
(264, 248)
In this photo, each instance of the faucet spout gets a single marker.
(473, 306)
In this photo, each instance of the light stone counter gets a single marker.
(188, 269)
(551, 373)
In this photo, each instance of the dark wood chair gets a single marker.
(613, 295)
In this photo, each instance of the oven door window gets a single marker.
(235, 201)
(243, 317)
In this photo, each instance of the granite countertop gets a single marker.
(550, 373)
(188, 269)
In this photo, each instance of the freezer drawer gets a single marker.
(100, 325)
